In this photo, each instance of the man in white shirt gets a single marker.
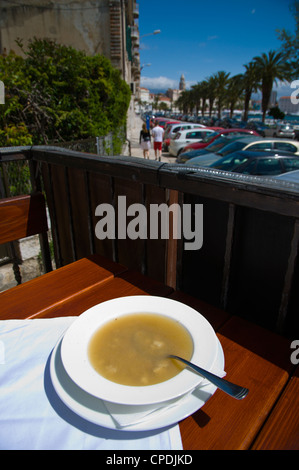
(158, 133)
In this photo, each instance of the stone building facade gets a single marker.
(108, 27)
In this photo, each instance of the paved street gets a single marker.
(134, 129)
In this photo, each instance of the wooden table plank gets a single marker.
(254, 357)
(228, 424)
(25, 301)
(281, 431)
(215, 316)
(113, 287)
(146, 284)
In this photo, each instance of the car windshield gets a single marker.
(208, 137)
(231, 162)
(193, 135)
(204, 160)
(233, 147)
(217, 144)
(291, 164)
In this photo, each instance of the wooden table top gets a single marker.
(268, 418)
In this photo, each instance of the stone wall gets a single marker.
(30, 268)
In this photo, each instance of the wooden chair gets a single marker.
(21, 217)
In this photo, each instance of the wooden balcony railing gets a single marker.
(248, 264)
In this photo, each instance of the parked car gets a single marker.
(163, 122)
(261, 128)
(183, 137)
(290, 177)
(219, 133)
(214, 147)
(273, 130)
(257, 143)
(229, 123)
(173, 127)
(261, 163)
(285, 130)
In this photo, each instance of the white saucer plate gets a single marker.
(94, 411)
(76, 362)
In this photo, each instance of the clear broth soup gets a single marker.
(132, 349)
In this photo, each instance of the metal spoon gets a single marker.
(233, 390)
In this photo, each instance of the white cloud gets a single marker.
(189, 84)
(144, 47)
(211, 38)
(163, 83)
(158, 83)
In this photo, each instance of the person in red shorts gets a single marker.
(158, 133)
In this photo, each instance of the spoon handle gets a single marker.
(233, 390)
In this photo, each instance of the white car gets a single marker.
(290, 176)
(285, 130)
(185, 137)
(173, 128)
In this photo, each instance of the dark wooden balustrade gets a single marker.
(248, 264)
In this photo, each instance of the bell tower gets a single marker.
(182, 85)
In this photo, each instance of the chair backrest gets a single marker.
(24, 216)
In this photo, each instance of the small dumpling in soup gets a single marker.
(133, 349)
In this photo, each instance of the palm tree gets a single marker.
(250, 83)
(221, 80)
(204, 90)
(234, 93)
(185, 101)
(211, 93)
(196, 96)
(270, 68)
(290, 43)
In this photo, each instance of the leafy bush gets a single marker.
(56, 93)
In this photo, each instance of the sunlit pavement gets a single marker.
(136, 151)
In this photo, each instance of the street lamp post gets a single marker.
(157, 31)
(144, 65)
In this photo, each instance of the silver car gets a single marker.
(173, 128)
(251, 143)
(185, 137)
(285, 130)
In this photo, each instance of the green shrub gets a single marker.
(56, 93)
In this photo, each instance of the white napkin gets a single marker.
(125, 419)
(131, 415)
(32, 417)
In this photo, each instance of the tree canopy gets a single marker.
(56, 93)
(260, 74)
(290, 42)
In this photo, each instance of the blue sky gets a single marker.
(201, 37)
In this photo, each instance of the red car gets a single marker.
(162, 122)
(201, 145)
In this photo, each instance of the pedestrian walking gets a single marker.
(158, 133)
(145, 141)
